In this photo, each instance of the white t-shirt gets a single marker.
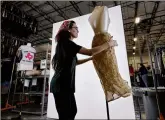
(27, 53)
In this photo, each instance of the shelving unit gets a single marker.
(28, 103)
(144, 98)
(30, 77)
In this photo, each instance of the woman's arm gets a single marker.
(83, 60)
(96, 50)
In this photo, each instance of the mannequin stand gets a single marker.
(108, 117)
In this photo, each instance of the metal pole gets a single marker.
(108, 117)
(44, 85)
(11, 79)
(134, 70)
(153, 75)
(22, 95)
(13, 98)
(157, 66)
(140, 53)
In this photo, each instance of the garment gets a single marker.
(65, 105)
(145, 79)
(106, 67)
(64, 77)
(159, 60)
(143, 70)
(26, 57)
(131, 70)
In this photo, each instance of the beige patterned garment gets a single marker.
(105, 62)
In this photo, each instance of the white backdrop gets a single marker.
(89, 93)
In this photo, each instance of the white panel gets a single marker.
(89, 93)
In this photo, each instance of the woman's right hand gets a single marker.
(112, 43)
(98, 49)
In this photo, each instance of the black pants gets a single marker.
(65, 105)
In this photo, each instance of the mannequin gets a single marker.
(105, 63)
(26, 57)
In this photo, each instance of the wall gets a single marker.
(89, 93)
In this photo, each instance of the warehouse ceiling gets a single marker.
(49, 12)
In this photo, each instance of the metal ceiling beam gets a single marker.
(155, 8)
(43, 42)
(160, 35)
(162, 21)
(141, 34)
(136, 12)
(154, 25)
(143, 15)
(94, 3)
(43, 26)
(57, 9)
(45, 29)
(18, 3)
(115, 3)
(156, 30)
(41, 34)
(39, 6)
(40, 12)
(46, 40)
(38, 39)
(44, 15)
(62, 13)
(50, 12)
(123, 4)
(153, 15)
(75, 6)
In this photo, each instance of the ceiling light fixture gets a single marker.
(133, 53)
(137, 20)
(135, 39)
(51, 39)
(134, 47)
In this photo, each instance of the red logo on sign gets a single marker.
(29, 56)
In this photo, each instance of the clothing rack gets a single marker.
(154, 77)
(159, 65)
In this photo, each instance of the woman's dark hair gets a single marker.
(59, 57)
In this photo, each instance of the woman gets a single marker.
(64, 63)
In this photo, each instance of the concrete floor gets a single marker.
(7, 115)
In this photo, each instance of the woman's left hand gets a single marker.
(91, 58)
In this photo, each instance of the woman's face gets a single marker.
(74, 31)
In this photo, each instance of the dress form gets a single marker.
(99, 20)
(26, 55)
(105, 62)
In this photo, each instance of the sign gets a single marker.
(43, 64)
(34, 82)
